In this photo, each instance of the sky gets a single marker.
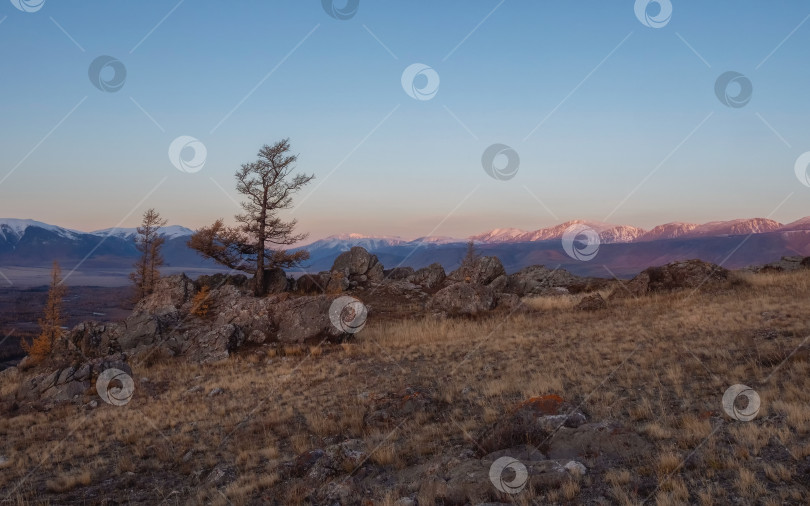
(609, 111)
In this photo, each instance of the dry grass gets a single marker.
(658, 365)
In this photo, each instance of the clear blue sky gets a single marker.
(617, 100)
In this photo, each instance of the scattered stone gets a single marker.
(593, 302)
(532, 421)
(576, 468)
(304, 462)
(691, 274)
(215, 391)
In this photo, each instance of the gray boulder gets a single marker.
(593, 302)
(507, 301)
(313, 283)
(400, 273)
(463, 299)
(304, 319)
(483, 271)
(375, 272)
(689, 274)
(355, 261)
(355, 267)
(428, 277)
(275, 280)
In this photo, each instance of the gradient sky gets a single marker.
(631, 128)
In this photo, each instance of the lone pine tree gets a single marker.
(268, 185)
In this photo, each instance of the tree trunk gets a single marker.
(258, 288)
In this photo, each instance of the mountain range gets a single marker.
(623, 250)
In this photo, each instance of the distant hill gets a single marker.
(28, 246)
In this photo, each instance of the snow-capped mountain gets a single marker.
(668, 231)
(624, 249)
(14, 228)
(612, 234)
(169, 232)
(345, 241)
(800, 224)
(608, 233)
(499, 235)
(436, 240)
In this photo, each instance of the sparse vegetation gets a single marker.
(51, 323)
(149, 242)
(201, 303)
(656, 365)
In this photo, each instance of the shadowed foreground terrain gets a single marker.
(414, 411)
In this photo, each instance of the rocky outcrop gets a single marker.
(471, 481)
(212, 346)
(689, 274)
(313, 283)
(168, 297)
(785, 264)
(463, 299)
(482, 271)
(399, 273)
(428, 277)
(94, 339)
(67, 383)
(539, 280)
